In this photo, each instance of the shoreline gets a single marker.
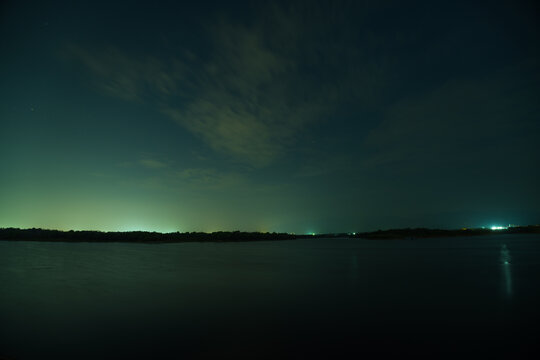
(45, 235)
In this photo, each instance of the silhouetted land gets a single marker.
(433, 233)
(14, 234)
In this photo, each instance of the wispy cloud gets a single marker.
(259, 87)
(461, 113)
(152, 163)
(209, 178)
(242, 102)
(119, 74)
(114, 73)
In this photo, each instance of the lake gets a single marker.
(476, 296)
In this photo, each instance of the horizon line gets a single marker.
(493, 228)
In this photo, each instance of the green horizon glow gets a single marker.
(276, 118)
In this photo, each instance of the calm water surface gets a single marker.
(333, 297)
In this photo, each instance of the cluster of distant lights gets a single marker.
(498, 227)
(493, 227)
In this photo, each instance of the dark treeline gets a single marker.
(15, 234)
(136, 236)
(432, 233)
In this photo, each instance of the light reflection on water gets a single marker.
(507, 274)
(207, 299)
(354, 269)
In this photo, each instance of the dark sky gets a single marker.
(293, 116)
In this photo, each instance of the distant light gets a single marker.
(312, 234)
(499, 228)
(354, 233)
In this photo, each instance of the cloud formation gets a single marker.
(242, 99)
(152, 163)
(114, 73)
(254, 92)
(208, 178)
(237, 101)
(462, 113)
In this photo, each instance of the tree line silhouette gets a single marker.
(136, 236)
(34, 234)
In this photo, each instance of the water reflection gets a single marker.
(507, 275)
(63, 300)
(353, 270)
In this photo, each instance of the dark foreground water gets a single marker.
(473, 297)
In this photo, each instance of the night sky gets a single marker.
(288, 116)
